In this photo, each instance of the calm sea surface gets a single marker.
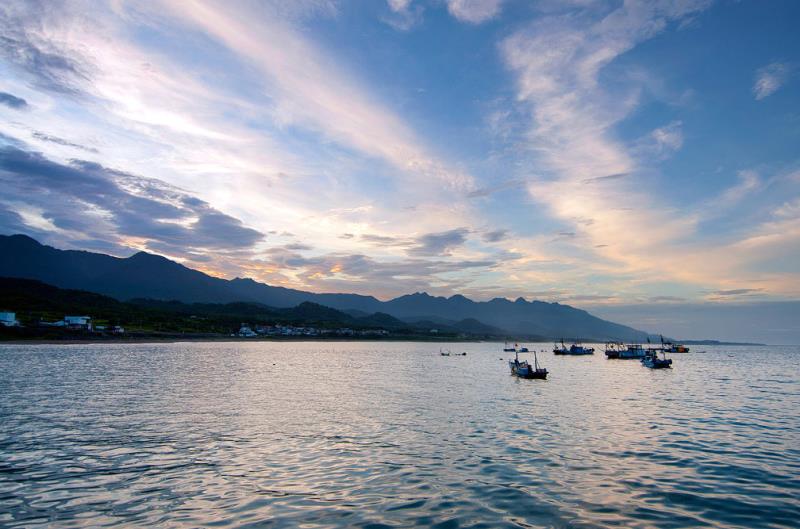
(267, 434)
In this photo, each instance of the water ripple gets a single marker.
(379, 435)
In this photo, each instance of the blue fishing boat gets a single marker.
(575, 349)
(652, 360)
(632, 351)
(523, 369)
(612, 349)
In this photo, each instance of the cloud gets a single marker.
(403, 16)
(736, 291)
(339, 271)
(749, 182)
(23, 45)
(86, 200)
(474, 11)
(495, 235)
(12, 101)
(502, 186)
(298, 247)
(575, 105)
(399, 5)
(769, 79)
(439, 243)
(667, 139)
(564, 235)
(606, 178)
(60, 141)
(384, 240)
(314, 93)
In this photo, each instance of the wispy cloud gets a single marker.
(664, 141)
(502, 186)
(769, 79)
(439, 243)
(558, 62)
(403, 15)
(474, 11)
(61, 141)
(313, 92)
(748, 182)
(12, 101)
(495, 235)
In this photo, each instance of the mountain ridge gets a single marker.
(146, 275)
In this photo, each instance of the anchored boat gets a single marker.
(632, 351)
(670, 347)
(652, 360)
(523, 369)
(507, 349)
(575, 349)
(612, 349)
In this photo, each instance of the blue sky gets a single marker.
(599, 153)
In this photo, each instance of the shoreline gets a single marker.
(227, 339)
(327, 339)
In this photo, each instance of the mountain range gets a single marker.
(145, 275)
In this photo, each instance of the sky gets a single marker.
(630, 158)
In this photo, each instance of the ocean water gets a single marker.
(359, 434)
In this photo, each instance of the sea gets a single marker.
(393, 434)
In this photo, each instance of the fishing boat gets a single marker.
(508, 349)
(523, 350)
(652, 360)
(670, 347)
(523, 369)
(444, 353)
(612, 349)
(632, 351)
(575, 349)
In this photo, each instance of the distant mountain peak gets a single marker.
(151, 258)
(146, 275)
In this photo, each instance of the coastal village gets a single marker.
(248, 331)
(73, 323)
(86, 324)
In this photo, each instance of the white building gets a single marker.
(78, 322)
(9, 319)
(246, 332)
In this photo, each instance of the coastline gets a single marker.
(228, 339)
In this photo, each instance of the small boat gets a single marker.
(524, 369)
(443, 353)
(612, 349)
(523, 350)
(507, 349)
(575, 349)
(670, 347)
(632, 351)
(652, 360)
